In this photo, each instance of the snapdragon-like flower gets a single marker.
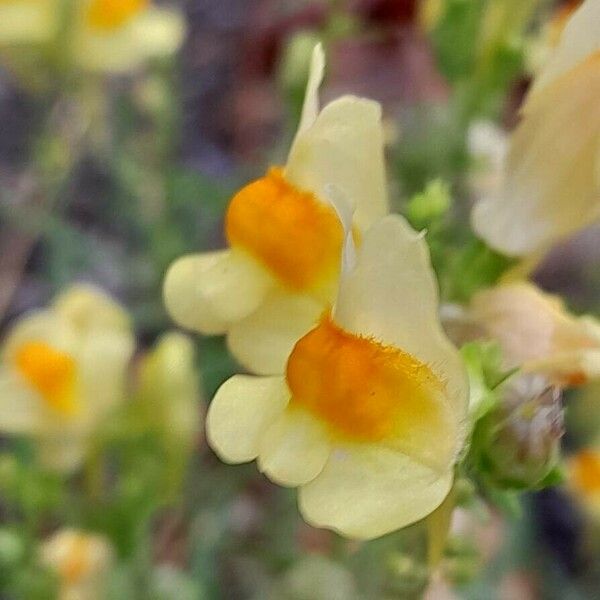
(282, 268)
(552, 178)
(368, 419)
(61, 370)
(28, 21)
(81, 562)
(538, 334)
(117, 36)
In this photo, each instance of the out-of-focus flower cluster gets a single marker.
(74, 401)
(111, 36)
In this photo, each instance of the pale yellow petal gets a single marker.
(310, 108)
(207, 292)
(392, 296)
(366, 491)
(551, 187)
(579, 39)
(153, 33)
(344, 149)
(86, 307)
(294, 449)
(41, 326)
(263, 341)
(158, 32)
(240, 413)
(28, 21)
(21, 409)
(103, 361)
(168, 388)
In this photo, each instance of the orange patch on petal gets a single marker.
(585, 472)
(50, 372)
(363, 390)
(107, 15)
(296, 236)
(77, 562)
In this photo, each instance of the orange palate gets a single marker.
(293, 234)
(363, 390)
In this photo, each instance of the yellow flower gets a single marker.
(368, 419)
(81, 561)
(61, 370)
(552, 176)
(282, 268)
(27, 21)
(117, 36)
(537, 333)
(583, 479)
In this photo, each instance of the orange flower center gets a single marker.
(297, 237)
(363, 390)
(585, 472)
(77, 561)
(50, 372)
(107, 15)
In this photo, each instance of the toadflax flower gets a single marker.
(368, 419)
(117, 36)
(552, 179)
(28, 21)
(537, 333)
(61, 370)
(282, 267)
(81, 562)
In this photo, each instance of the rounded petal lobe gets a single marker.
(344, 148)
(87, 308)
(240, 413)
(294, 448)
(367, 491)
(207, 292)
(263, 341)
(159, 32)
(21, 409)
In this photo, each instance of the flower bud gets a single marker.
(518, 443)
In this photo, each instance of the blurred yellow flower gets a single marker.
(282, 268)
(81, 562)
(28, 21)
(368, 419)
(552, 176)
(117, 36)
(536, 332)
(61, 370)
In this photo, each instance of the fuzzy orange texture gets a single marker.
(363, 390)
(296, 236)
(50, 372)
(107, 15)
